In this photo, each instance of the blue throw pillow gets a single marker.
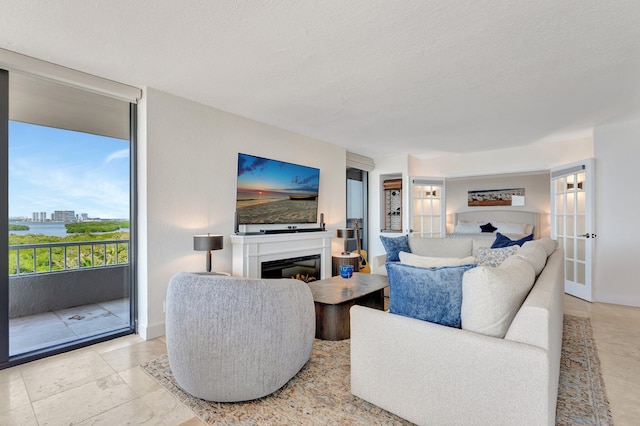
(394, 246)
(487, 227)
(504, 241)
(428, 294)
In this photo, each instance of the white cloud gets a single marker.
(123, 153)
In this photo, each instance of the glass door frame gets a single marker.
(10, 361)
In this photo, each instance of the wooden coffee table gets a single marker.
(334, 297)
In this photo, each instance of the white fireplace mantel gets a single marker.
(249, 251)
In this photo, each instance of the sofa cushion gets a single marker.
(548, 244)
(441, 247)
(434, 262)
(486, 256)
(491, 297)
(504, 241)
(534, 253)
(429, 294)
(394, 245)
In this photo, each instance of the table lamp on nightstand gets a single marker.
(345, 234)
(207, 243)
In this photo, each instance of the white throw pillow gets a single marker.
(510, 227)
(434, 262)
(534, 253)
(491, 297)
(467, 227)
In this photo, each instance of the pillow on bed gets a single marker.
(510, 227)
(488, 227)
(467, 227)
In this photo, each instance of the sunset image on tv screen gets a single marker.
(272, 191)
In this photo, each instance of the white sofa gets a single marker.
(436, 375)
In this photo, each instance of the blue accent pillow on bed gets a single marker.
(428, 294)
(487, 227)
(394, 246)
(504, 241)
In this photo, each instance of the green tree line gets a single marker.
(87, 227)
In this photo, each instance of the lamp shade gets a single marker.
(345, 233)
(207, 242)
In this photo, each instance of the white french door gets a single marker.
(572, 224)
(427, 212)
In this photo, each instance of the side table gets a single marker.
(337, 260)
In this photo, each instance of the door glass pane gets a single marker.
(560, 184)
(581, 247)
(581, 179)
(560, 203)
(417, 224)
(580, 273)
(582, 202)
(569, 252)
(436, 207)
(571, 206)
(568, 271)
(569, 226)
(560, 225)
(581, 227)
(436, 224)
(561, 243)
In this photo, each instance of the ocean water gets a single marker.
(55, 229)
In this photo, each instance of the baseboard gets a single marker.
(151, 331)
(618, 299)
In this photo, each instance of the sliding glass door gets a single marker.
(68, 249)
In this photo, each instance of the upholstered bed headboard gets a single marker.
(517, 216)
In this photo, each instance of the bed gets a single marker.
(515, 224)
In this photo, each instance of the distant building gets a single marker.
(84, 217)
(38, 216)
(64, 216)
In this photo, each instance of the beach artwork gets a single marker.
(495, 197)
(274, 192)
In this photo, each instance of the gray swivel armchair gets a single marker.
(236, 339)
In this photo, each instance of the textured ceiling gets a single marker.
(380, 78)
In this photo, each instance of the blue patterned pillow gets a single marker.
(504, 241)
(428, 294)
(394, 246)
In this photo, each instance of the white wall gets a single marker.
(617, 246)
(535, 157)
(188, 166)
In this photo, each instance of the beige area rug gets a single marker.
(319, 393)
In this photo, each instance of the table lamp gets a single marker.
(345, 234)
(207, 243)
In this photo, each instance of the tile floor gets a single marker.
(57, 327)
(102, 384)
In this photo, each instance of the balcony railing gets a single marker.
(53, 257)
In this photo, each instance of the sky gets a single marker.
(260, 174)
(54, 169)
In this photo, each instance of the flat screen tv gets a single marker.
(276, 192)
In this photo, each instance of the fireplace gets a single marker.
(296, 267)
(250, 252)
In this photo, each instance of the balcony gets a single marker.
(61, 292)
